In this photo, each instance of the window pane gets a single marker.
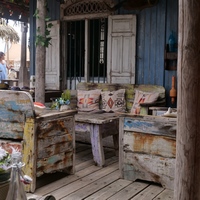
(75, 49)
(98, 49)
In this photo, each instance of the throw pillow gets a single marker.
(113, 101)
(143, 97)
(88, 100)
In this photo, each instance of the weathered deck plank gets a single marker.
(78, 184)
(130, 191)
(94, 186)
(148, 193)
(106, 192)
(93, 182)
(166, 194)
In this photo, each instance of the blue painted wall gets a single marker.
(153, 29)
(154, 26)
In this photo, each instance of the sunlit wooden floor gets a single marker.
(92, 182)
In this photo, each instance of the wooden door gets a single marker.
(121, 49)
(52, 74)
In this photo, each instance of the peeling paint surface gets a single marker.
(47, 142)
(148, 149)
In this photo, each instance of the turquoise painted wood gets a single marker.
(46, 141)
(14, 109)
(148, 149)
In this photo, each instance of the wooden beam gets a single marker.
(188, 135)
(40, 53)
(23, 71)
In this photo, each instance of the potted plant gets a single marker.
(63, 102)
(5, 162)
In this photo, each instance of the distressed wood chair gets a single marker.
(47, 142)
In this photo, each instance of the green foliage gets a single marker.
(63, 100)
(36, 14)
(43, 40)
(66, 95)
(4, 159)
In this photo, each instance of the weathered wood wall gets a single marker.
(153, 29)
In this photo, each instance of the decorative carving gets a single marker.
(85, 7)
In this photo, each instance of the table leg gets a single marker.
(97, 147)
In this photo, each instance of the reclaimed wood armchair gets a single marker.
(46, 141)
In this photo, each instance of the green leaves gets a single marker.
(36, 14)
(63, 100)
(43, 40)
(66, 95)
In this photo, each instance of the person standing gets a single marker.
(3, 67)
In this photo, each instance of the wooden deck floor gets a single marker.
(92, 182)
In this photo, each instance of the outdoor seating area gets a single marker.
(47, 141)
(51, 135)
(93, 182)
(100, 99)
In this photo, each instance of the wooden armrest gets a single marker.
(157, 103)
(147, 104)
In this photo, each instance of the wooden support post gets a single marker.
(188, 136)
(40, 53)
(23, 72)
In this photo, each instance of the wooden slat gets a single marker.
(92, 182)
(145, 143)
(128, 192)
(29, 153)
(165, 195)
(66, 190)
(62, 183)
(56, 162)
(151, 124)
(96, 118)
(94, 186)
(109, 191)
(149, 193)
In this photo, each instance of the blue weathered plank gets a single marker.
(156, 126)
(15, 107)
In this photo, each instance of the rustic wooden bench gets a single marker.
(92, 128)
(47, 141)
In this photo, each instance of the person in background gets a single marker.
(3, 67)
